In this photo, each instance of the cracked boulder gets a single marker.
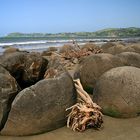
(118, 92)
(8, 90)
(27, 68)
(41, 107)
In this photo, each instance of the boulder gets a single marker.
(46, 53)
(27, 68)
(52, 49)
(130, 59)
(90, 47)
(66, 48)
(107, 45)
(49, 51)
(118, 92)
(54, 68)
(129, 49)
(13, 62)
(11, 50)
(120, 47)
(34, 68)
(116, 49)
(136, 47)
(3, 70)
(92, 67)
(8, 90)
(42, 107)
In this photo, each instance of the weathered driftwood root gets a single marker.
(85, 113)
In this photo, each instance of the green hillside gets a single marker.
(119, 32)
(111, 32)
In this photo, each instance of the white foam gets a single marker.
(22, 43)
(34, 42)
(47, 41)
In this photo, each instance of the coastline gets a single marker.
(33, 44)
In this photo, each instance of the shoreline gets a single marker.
(41, 45)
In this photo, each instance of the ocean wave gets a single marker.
(48, 42)
(34, 42)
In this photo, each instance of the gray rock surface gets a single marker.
(130, 59)
(136, 47)
(116, 49)
(118, 92)
(3, 70)
(8, 90)
(27, 68)
(120, 47)
(92, 67)
(106, 46)
(66, 48)
(89, 46)
(41, 107)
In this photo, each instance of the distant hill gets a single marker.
(111, 32)
(119, 32)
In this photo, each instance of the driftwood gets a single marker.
(85, 113)
(76, 44)
(79, 53)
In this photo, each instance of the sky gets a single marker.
(54, 16)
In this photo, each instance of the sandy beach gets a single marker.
(113, 129)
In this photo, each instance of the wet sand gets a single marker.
(114, 129)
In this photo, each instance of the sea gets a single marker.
(40, 44)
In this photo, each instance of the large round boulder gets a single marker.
(41, 107)
(116, 49)
(130, 59)
(8, 90)
(118, 92)
(107, 45)
(136, 47)
(92, 67)
(27, 68)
